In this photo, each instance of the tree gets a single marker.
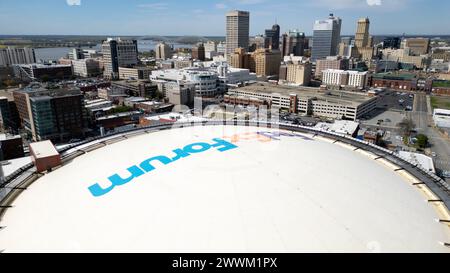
(422, 141)
(121, 109)
(45, 78)
(159, 95)
(406, 126)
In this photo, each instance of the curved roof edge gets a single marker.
(434, 185)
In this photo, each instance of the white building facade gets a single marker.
(344, 78)
(206, 83)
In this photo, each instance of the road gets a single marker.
(439, 145)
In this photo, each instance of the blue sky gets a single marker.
(207, 17)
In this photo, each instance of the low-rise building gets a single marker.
(154, 106)
(180, 93)
(135, 73)
(86, 68)
(397, 81)
(441, 118)
(206, 82)
(422, 160)
(9, 116)
(30, 72)
(441, 87)
(97, 105)
(332, 62)
(298, 73)
(306, 100)
(141, 88)
(11, 147)
(335, 77)
(344, 127)
(404, 56)
(44, 156)
(117, 120)
(181, 63)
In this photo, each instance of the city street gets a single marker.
(393, 113)
(423, 119)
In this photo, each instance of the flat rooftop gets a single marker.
(119, 115)
(40, 66)
(425, 161)
(306, 92)
(43, 149)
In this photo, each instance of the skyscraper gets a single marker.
(326, 37)
(118, 53)
(272, 39)
(163, 51)
(293, 43)
(10, 56)
(238, 29)
(198, 52)
(362, 33)
(363, 42)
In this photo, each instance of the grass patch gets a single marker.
(440, 102)
(441, 83)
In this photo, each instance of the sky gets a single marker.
(207, 17)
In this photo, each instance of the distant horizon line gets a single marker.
(187, 35)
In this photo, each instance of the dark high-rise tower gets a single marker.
(198, 52)
(272, 39)
(293, 43)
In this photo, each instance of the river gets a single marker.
(61, 52)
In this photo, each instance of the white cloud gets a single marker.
(158, 6)
(360, 4)
(221, 6)
(73, 2)
(374, 2)
(250, 2)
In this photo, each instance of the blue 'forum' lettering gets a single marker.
(148, 166)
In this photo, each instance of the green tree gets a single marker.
(159, 95)
(45, 78)
(422, 141)
(121, 109)
(406, 126)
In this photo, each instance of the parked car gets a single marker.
(446, 174)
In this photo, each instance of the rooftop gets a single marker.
(425, 161)
(306, 92)
(395, 76)
(119, 115)
(345, 127)
(43, 149)
(38, 65)
(8, 136)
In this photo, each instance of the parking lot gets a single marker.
(385, 119)
(397, 101)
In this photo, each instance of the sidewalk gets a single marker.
(430, 109)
